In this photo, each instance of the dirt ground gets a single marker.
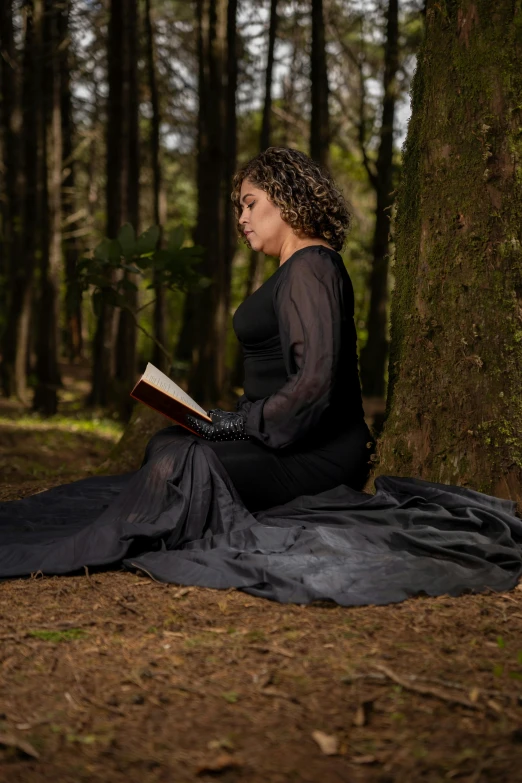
(114, 677)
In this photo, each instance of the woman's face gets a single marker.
(261, 220)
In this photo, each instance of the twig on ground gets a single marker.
(120, 603)
(413, 678)
(426, 690)
(278, 650)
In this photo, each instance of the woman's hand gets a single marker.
(225, 426)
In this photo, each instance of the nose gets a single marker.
(243, 217)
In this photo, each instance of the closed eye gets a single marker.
(251, 204)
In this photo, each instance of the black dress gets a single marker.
(193, 512)
(302, 398)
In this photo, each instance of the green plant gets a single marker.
(113, 273)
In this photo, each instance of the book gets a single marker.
(162, 394)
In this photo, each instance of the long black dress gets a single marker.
(302, 398)
(193, 512)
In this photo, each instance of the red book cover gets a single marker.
(162, 394)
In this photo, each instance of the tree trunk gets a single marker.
(159, 317)
(125, 360)
(114, 357)
(223, 322)
(11, 124)
(257, 260)
(454, 403)
(47, 374)
(104, 338)
(20, 145)
(216, 116)
(256, 264)
(375, 352)
(73, 310)
(319, 121)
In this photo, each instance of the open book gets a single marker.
(160, 393)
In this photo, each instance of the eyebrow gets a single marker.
(244, 197)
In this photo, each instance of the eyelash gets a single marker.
(251, 204)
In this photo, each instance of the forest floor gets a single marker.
(113, 677)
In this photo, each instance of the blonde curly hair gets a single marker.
(304, 192)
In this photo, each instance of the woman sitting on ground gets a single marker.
(299, 427)
(268, 500)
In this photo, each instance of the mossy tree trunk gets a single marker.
(454, 411)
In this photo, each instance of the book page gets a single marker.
(161, 381)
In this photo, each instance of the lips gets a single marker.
(248, 232)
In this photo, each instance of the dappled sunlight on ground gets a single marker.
(70, 445)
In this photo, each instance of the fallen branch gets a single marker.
(278, 650)
(413, 678)
(427, 690)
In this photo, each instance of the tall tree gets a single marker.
(20, 153)
(125, 360)
(114, 348)
(11, 125)
(159, 318)
(454, 403)
(216, 125)
(256, 263)
(374, 354)
(71, 250)
(319, 119)
(51, 166)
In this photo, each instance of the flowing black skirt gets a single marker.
(180, 519)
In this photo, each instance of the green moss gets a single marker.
(456, 350)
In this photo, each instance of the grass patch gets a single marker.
(101, 427)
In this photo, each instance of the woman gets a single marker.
(302, 410)
(297, 446)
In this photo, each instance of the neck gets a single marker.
(293, 243)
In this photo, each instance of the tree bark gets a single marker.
(20, 153)
(11, 125)
(375, 352)
(47, 373)
(319, 120)
(256, 261)
(454, 402)
(114, 349)
(125, 360)
(216, 119)
(104, 338)
(73, 309)
(160, 315)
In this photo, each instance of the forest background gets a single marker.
(123, 116)
(102, 126)
(122, 125)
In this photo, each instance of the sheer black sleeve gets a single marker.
(309, 309)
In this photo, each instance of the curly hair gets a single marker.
(304, 192)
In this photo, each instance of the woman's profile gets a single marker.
(268, 498)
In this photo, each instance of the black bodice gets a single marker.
(300, 351)
(257, 329)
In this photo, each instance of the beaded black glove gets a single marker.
(225, 426)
